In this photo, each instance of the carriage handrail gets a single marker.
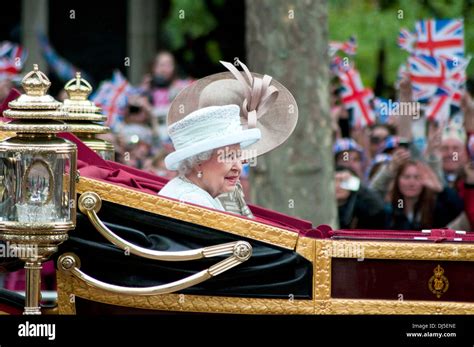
(90, 204)
(69, 262)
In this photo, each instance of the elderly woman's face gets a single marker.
(221, 172)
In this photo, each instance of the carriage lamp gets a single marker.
(38, 173)
(85, 118)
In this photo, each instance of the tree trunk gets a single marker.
(289, 41)
(141, 37)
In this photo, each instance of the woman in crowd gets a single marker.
(418, 200)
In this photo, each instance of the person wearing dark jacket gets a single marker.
(358, 206)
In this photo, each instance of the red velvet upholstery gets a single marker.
(435, 235)
(12, 95)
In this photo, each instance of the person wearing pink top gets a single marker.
(163, 84)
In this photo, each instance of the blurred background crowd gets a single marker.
(401, 183)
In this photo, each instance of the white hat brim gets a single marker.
(245, 138)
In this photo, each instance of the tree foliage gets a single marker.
(188, 19)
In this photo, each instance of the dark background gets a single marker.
(96, 40)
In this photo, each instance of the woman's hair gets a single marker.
(186, 165)
(425, 205)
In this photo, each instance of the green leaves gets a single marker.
(188, 19)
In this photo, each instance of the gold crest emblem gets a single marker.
(438, 283)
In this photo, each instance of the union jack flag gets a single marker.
(442, 89)
(457, 82)
(440, 37)
(434, 75)
(357, 98)
(339, 65)
(12, 59)
(112, 97)
(349, 47)
(439, 108)
(406, 40)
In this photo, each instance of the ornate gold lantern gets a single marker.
(85, 117)
(38, 171)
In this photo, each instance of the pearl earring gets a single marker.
(199, 174)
